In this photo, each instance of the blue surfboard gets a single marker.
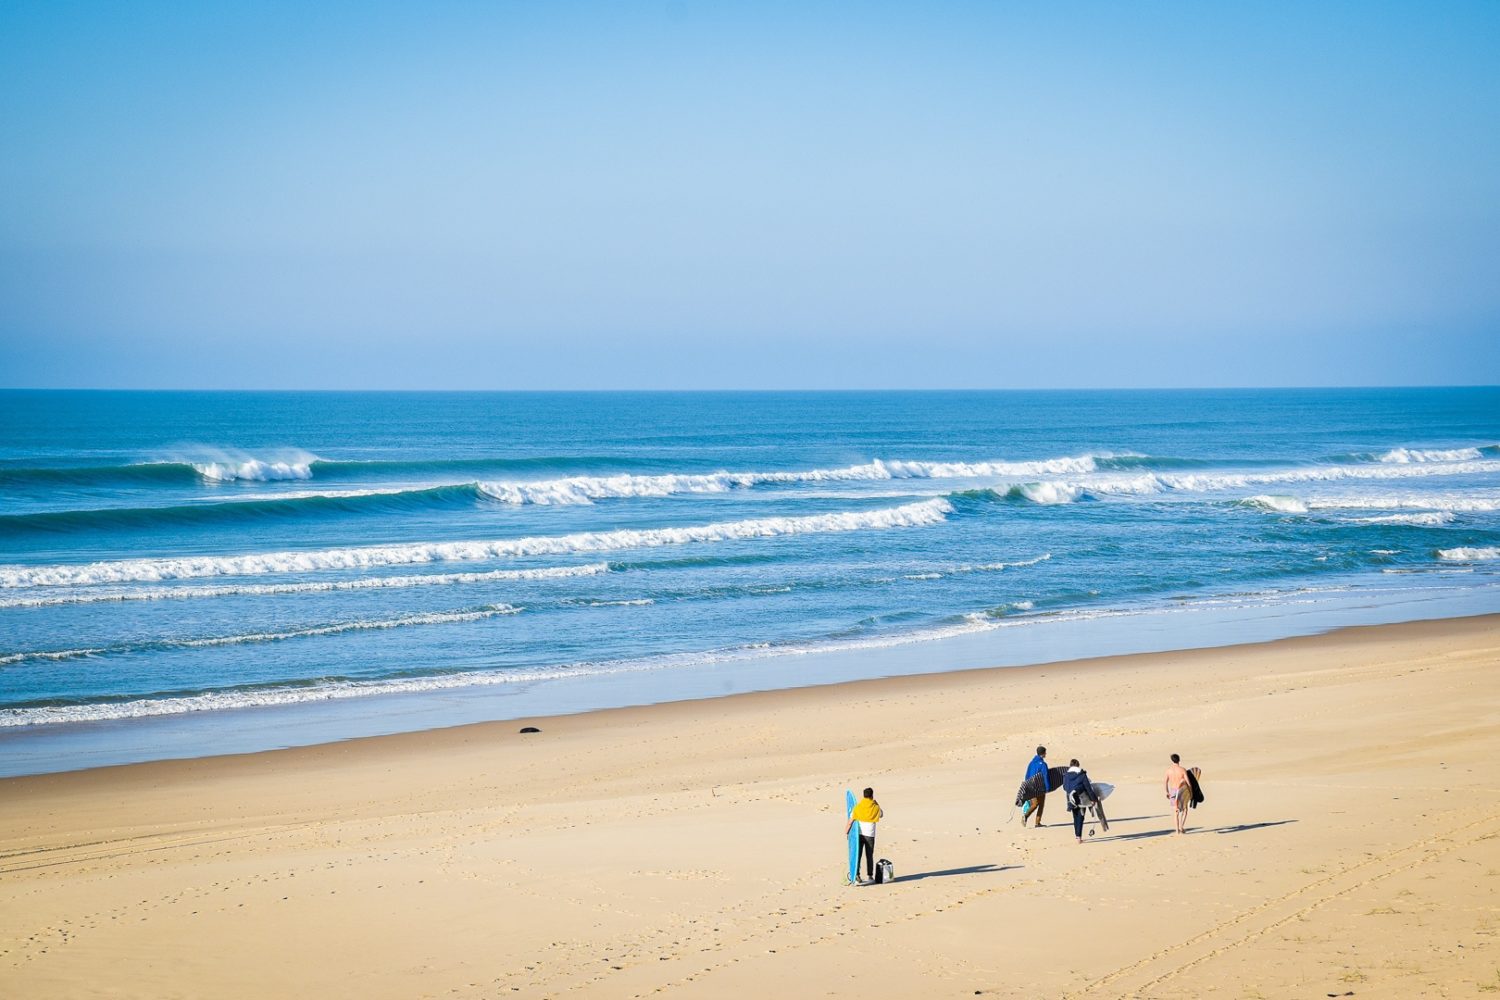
(853, 837)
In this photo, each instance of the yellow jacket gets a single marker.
(867, 811)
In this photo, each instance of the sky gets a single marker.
(760, 195)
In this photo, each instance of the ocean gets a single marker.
(184, 573)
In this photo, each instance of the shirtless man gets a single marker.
(1179, 792)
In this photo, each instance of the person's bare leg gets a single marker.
(1179, 806)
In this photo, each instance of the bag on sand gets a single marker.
(884, 872)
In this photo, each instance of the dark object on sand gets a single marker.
(530, 729)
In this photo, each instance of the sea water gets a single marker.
(266, 569)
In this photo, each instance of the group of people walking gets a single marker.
(1181, 786)
(1082, 795)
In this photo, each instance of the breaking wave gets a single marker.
(1278, 504)
(924, 513)
(1407, 456)
(1482, 554)
(587, 489)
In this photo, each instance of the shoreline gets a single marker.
(462, 734)
(72, 746)
(1350, 840)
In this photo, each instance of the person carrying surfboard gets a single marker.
(1033, 806)
(1179, 792)
(866, 813)
(1080, 795)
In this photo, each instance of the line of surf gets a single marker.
(923, 513)
(228, 465)
(311, 587)
(1419, 456)
(158, 645)
(587, 489)
(284, 693)
(1105, 486)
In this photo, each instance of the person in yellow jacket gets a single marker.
(867, 813)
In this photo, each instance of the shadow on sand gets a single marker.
(971, 870)
(1068, 823)
(1246, 826)
(1239, 828)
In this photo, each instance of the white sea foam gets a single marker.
(1431, 519)
(1482, 554)
(1050, 492)
(1018, 564)
(221, 465)
(994, 567)
(1405, 456)
(253, 469)
(981, 470)
(1279, 504)
(1326, 473)
(587, 489)
(1146, 484)
(270, 589)
(433, 618)
(1429, 502)
(267, 697)
(927, 512)
(987, 618)
(383, 491)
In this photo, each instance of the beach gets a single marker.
(1349, 843)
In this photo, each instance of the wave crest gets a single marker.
(587, 489)
(1480, 554)
(1408, 456)
(1278, 504)
(924, 513)
(273, 589)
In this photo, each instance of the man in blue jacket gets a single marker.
(1032, 807)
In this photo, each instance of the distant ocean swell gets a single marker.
(218, 466)
(226, 467)
(1081, 482)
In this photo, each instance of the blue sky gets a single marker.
(683, 195)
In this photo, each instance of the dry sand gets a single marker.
(1349, 844)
